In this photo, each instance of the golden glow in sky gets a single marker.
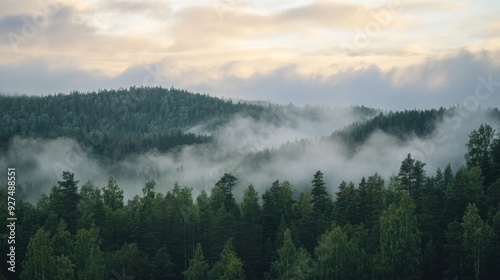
(223, 46)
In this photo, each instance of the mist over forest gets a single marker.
(256, 141)
(249, 140)
(169, 184)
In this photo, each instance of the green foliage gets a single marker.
(198, 266)
(68, 200)
(62, 241)
(87, 255)
(319, 194)
(477, 239)
(403, 124)
(305, 221)
(39, 262)
(400, 242)
(449, 229)
(251, 233)
(338, 256)
(291, 263)
(128, 259)
(65, 268)
(112, 195)
(229, 265)
(162, 266)
(346, 204)
(479, 152)
(276, 208)
(466, 188)
(90, 207)
(412, 174)
(226, 184)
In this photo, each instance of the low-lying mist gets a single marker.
(256, 152)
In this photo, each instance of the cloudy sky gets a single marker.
(385, 54)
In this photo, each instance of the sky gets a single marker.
(394, 54)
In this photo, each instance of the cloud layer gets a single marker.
(390, 54)
(255, 152)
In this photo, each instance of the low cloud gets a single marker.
(256, 152)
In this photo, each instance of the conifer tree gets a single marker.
(68, 205)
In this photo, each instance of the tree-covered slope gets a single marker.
(117, 122)
(407, 123)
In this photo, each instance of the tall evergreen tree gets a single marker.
(319, 195)
(112, 195)
(69, 200)
(454, 251)
(251, 234)
(305, 222)
(479, 151)
(466, 188)
(371, 204)
(412, 174)
(161, 265)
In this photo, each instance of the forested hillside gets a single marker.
(197, 187)
(117, 123)
(405, 124)
(413, 226)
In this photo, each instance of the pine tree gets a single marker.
(161, 265)
(112, 195)
(320, 196)
(479, 151)
(305, 222)
(346, 204)
(466, 188)
(226, 184)
(69, 200)
(454, 252)
(412, 174)
(251, 233)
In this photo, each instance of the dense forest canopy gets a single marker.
(262, 218)
(413, 226)
(117, 123)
